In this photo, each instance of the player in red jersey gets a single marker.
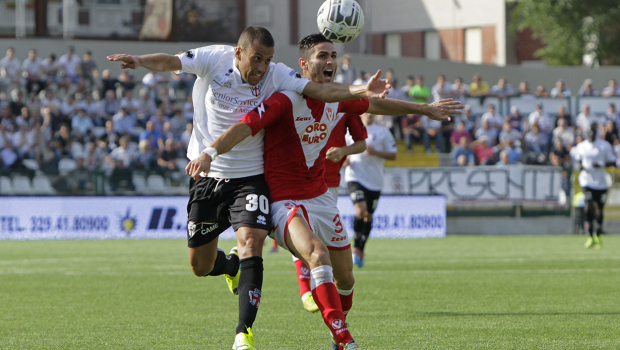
(304, 213)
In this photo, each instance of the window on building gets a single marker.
(432, 46)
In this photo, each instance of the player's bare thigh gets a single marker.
(305, 244)
(343, 268)
(202, 258)
(250, 241)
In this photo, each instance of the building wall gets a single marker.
(412, 44)
(452, 44)
(274, 15)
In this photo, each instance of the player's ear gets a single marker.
(303, 63)
(238, 52)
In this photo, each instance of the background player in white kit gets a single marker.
(306, 219)
(231, 82)
(364, 177)
(594, 155)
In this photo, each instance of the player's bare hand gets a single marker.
(377, 88)
(370, 151)
(129, 61)
(335, 154)
(199, 166)
(442, 109)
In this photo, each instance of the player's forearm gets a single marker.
(334, 92)
(390, 106)
(231, 137)
(159, 62)
(386, 155)
(354, 148)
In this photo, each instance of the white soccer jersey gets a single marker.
(368, 170)
(221, 99)
(589, 154)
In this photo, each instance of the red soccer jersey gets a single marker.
(297, 130)
(353, 122)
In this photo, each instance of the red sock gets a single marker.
(274, 245)
(346, 301)
(327, 299)
(303, 277)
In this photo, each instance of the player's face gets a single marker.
(253, 62)
(322, 65)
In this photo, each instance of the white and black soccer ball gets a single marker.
(340, 20)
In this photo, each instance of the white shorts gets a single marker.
(320, 213)
(334, 191)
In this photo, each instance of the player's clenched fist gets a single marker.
(198, 166)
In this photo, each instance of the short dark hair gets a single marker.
(307, 44)
(252, 33)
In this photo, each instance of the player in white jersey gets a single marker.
(306, 219)
(594, 154)
(364, 177)
(231, 81)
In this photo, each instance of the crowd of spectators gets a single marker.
(53, 109)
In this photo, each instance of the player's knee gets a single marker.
(345, 282)
(202, 268)
(318, 257)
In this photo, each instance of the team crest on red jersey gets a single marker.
(330, 114)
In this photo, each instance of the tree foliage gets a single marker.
(571, 28)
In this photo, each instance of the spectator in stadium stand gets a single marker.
(541, 91)
(126, 81)
(420, 93)
(459, 132)
(71, 66)
(166, 133)
(82, 122)
(10, 71)
(612, 114)
(188, 109)
(478, 88)
(407, 87)
(187, 134)
(177, 124)
(587, 89)
(147, 106)
(560, 157)
(361, 79)
(411, 126)
(461, 160)
(504, 159)
(90, 73)
(502, 89)
(442, 89)
(24, 140)
(95, 156)
(80, 179)
(163, 101)
(50, 100)
(389, 75)
(540, 117)
(121, 159)
(460, 90)
(110, 104)
(33, 72)
(158, 120)
(516, 120)
(560, 90)
(68, 106)
(62, 142)
(562, 114)
(33, 103)
(145, 159)
(24, 117)
(536, 145)
(150, 80)
(432, 129)
(130, 104)
(110, 139)
(610, 133)
(108, 82)
(485, 155)
(9, 158)
(468, 119)
(611, 89)
(462, 149)
(346, 73)
(50, 69)
(153, 136)
(514, 152)
(168, 157)
(488, 131)
(17, 102)
(563, 133)
(123, 122)
(524, 89)
(586, 118)
(7, 118)
(92, 108)
(509, 133)
(495, 119)
(182, 82)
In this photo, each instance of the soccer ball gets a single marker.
(340, 20)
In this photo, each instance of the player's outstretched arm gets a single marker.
(159, 62)
(439, 110)
(229, 139)
(333, 92)
(371, 151)
(335, 154)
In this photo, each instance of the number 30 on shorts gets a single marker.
(255, 202)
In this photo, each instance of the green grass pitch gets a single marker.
(520, 292)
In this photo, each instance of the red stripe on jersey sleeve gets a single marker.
(354, 106)
(268, 113)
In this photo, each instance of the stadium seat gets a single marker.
(30, 164)
(42, 185)
(98, 131)
(6, 189)
(156, 184)
(21, 185)
(139, 182)
(66, 165)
